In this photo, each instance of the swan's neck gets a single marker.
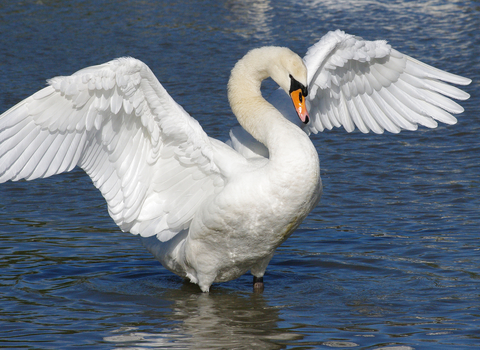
(262, 120)
(246, 99)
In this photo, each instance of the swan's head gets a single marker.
(281, 64)
(290, 73)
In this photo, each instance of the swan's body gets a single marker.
(261, 202)
(211, 211)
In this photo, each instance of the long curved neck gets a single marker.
(253, 112)
(293, 169)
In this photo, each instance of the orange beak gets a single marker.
(299, 103)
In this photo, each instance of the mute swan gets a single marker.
(210, 211)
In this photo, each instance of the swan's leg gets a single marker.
(258, 271)
(258, 284)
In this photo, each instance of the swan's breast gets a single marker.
(255, 213)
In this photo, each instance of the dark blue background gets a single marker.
(389, 258)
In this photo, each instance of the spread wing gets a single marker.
(117, 122)
(371, 86)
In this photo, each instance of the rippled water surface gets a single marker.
(389, 259)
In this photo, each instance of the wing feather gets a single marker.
(118, 123)
(370, 86)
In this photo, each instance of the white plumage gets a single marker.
(207, 210)
(368, 85)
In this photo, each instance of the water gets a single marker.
(389, 259)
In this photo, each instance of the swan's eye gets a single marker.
(296, 85)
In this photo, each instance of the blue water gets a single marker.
(390, 259)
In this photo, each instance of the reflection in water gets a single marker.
(257, 16)
(217, 320)
(433, 7)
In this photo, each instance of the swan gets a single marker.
(210, 211)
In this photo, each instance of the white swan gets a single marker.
(207, 210)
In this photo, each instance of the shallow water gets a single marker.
(389, 259)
